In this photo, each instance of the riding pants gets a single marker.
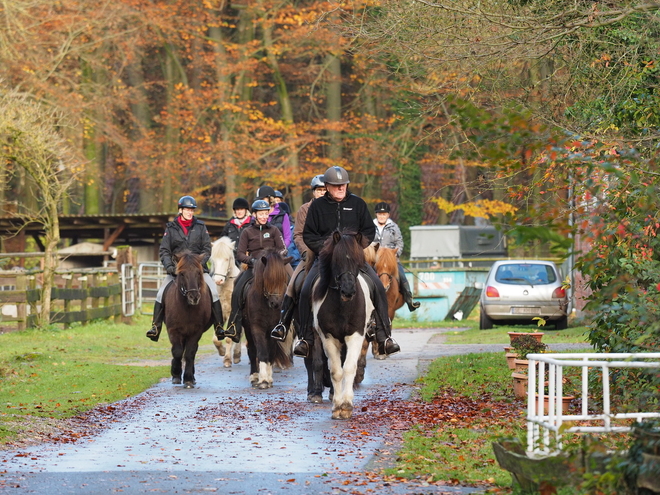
(236, 315)
(207, 278)
(404, 286)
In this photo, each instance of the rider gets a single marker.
(278, 215)
(238, 222)
(389, 235)
(289, 302)
(259, 236)
(336, 210)
(184, 232)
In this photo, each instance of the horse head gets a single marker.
(223, 265)
(271, 277)
(190, 276)
(346, 256)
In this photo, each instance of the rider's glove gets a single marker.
(252, 262)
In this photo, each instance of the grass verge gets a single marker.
(57, 374)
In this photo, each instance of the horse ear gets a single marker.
(264, 260)
(376, 245)
(358, 238)
(336, 236)
(288, 260)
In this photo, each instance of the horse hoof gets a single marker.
(176, 381)
(237, 360)
(189, 385)
(315, 399)
(227, 365)
(380, 357)
(263, 385)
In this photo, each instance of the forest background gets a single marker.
(539, 116)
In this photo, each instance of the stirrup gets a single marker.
(230, 331)
(278, 332)
(220, 332)
(153, 333)
(301, 349)
(413, 305)
(388, 347)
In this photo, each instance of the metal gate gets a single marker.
(150, 277)
(127, 290)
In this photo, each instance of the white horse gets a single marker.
(224, 272)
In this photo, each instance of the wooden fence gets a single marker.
(79, 295)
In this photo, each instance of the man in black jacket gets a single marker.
(339, 209)
(185, 232)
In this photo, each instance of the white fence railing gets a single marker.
(545, 416)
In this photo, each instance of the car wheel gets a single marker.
(561, 323)
(485, 323)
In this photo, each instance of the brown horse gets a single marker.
(388, 272)
(187, 315)
(261, 312)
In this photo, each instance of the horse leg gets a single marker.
(252, 357)
(362, 362)
(236, 346)
(317, 367)
(333, 351)
(189, 355)
(265, 353)
(176, 368)
(344, 407)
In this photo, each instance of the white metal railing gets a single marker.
(150, 276)
(545, 428)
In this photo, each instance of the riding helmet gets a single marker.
(317, 182)
(240, 203)
(187, 202)
(336, 176)
(260, 205)
(278, 194)
(265, 191)
(382, 207)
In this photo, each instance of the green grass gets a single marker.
(61, 373)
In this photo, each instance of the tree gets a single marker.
(32, 143)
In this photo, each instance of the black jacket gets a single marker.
(175, 241)
(326, 215)
(233, 229)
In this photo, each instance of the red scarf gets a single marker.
(185, 224)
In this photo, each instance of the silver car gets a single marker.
(517, 291)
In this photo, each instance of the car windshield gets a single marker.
(525, 273)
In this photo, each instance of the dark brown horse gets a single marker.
(342, 309)
(261, 312)
(187, 315)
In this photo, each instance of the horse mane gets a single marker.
(222, 248)
(341, 252)
(270, 272)
(187, 261)
(386, 262)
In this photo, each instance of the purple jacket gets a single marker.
(282, 221)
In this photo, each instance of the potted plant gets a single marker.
(514, 335)
(522, 345)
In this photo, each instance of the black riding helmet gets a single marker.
(382, 207)
(187, 202)
(240, 203)
(265, 191)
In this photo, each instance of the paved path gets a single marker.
(226, 437)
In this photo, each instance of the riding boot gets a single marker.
(216, 310)
(235, 327)
(159, 313)
(404, 288)
(386, 344)
(306, 335)
(286, 315)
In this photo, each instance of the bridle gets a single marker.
(338, 277)
(389, 277)
(184, 291)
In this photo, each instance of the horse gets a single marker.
(187, 315)
(387, 268)
(261, 312)
(342, 309)
(225, 271)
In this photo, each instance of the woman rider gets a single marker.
(256, 238)
(185, 232)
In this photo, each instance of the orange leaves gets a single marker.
(480, 208)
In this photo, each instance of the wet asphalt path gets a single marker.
(225, 437)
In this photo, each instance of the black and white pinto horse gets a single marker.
(261, 312)
(342, 309)
(225, 272)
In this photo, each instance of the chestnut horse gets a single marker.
(261, 312)
(342, 309)
(387, 268)
(187, 315)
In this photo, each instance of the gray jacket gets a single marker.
(389, 236)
